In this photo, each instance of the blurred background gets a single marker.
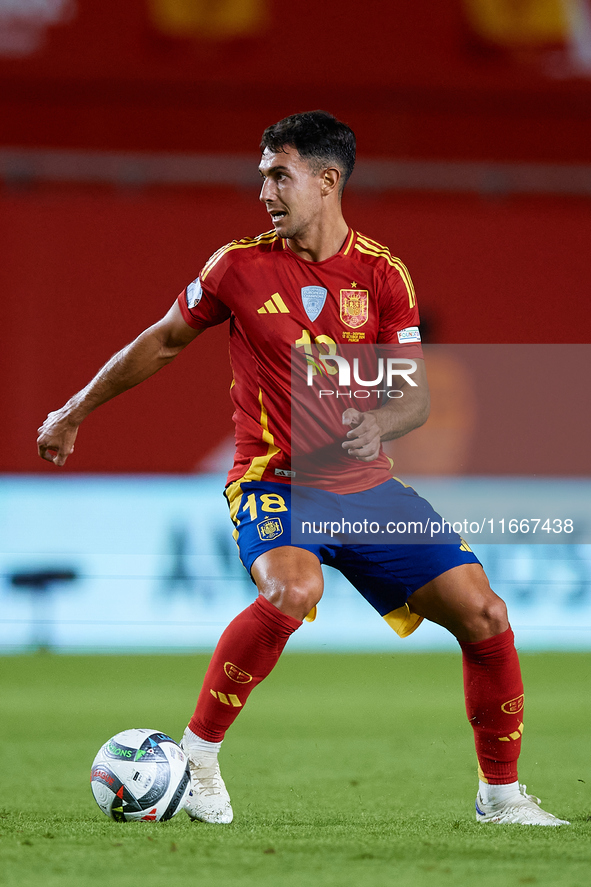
(128, 151)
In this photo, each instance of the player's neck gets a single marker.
(320, 242)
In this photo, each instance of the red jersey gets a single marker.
(275, 300)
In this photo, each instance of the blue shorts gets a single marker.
(385, 571)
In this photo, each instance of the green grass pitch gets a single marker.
(343, 770)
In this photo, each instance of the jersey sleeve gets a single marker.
(399, 314)
(199, 302)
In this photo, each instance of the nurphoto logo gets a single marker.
(387, 371)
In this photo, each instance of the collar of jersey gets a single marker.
(344, 250)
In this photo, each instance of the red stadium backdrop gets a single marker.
(416, 79)
(84, 268)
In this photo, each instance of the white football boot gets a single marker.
(208, 799)
(520, 808)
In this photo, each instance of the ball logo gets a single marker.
(102, 775)
(236, 674)
(119, 751)
(513, 706)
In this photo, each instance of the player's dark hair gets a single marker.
(317, 136)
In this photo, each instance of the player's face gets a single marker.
(291, 191)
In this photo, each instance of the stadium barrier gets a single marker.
(138, 563)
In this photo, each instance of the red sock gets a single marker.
(494, 703)
(246, 652)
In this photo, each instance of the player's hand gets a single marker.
(56, 437)
(364, 439)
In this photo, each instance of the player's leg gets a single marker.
(462, 601)
(446, 584)
(290, 583)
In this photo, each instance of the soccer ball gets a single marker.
(140, 775)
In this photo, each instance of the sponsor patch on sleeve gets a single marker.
(193, 294)
(410, 334)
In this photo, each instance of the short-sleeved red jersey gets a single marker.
(274, 300)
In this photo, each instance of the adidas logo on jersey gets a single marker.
(274, 305)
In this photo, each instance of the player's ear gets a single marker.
(330, 180)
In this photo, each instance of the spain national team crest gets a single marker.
(354, 307)
(270, 528)
(313, 299)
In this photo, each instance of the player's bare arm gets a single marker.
(396, 418)
(153, 349)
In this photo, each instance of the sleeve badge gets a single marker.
(410, 334)
(193, 294)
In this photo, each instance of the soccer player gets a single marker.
(315, 283)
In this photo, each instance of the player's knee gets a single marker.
(297, 598)
(487, 617)
(494, 614)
